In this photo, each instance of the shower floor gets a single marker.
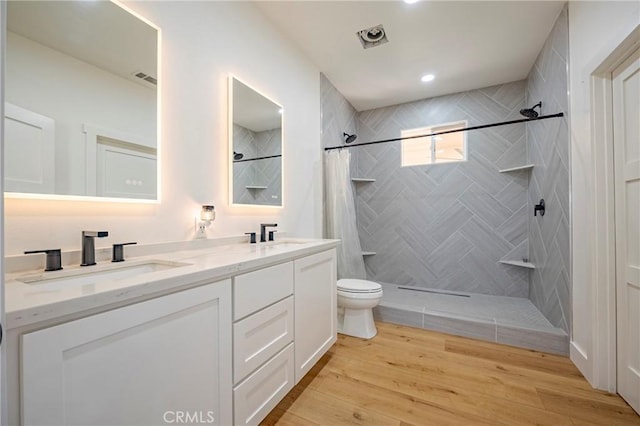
(509, 320)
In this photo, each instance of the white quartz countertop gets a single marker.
(30, 303)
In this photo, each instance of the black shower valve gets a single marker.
(539, 208)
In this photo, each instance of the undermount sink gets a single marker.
(286, 242)
(100, 273)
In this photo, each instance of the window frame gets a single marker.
(433, 142)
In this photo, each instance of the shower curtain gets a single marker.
(340, 214)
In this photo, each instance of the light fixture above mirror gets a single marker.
(255, 147)
(81, 91)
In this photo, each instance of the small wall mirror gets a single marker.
(81, 112)
(255, 145)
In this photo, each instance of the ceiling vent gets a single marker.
(145, 78)
(372, 37)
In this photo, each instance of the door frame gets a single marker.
(3, 344)
(603, 219)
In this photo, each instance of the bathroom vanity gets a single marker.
(215, 335)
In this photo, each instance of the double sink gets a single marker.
(100, 273)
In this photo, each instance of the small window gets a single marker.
(437, 149)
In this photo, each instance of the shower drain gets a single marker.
(426, 290)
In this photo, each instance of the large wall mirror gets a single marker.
(81, 111)
(255, 147)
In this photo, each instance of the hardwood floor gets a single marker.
(406, 376)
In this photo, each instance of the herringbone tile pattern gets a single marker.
(548, 143)
(260, 172)
(446, 226)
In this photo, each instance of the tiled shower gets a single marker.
(439, 232)
(257, 182)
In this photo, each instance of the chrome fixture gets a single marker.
(117, 254)
(88, 246)
(531, 112)
(53, 261)
(349, 138)
(263, 234)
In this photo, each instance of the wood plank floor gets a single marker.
(407, 376)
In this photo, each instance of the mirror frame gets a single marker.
(91, 198)
(230, 162)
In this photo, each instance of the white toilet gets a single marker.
(356, 300)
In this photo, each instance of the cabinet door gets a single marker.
(315, 309)
(143, 364)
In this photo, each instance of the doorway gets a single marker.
(626, 147)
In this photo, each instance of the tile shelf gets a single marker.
(515, 169)
(362, 180)
(368, 253)
(519, 263)
(256, 187)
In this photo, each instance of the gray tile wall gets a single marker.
(260, 172)
(338, 116)
(446, 226)
(548, 149)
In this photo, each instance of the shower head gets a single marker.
(531, 112)
(237, 155)
(349, 138)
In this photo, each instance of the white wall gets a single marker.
(73, 93)
(201, 43)
(595, 30)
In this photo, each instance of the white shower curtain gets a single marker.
(340, 214)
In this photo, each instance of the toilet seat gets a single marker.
(377, 295)
(355, 286)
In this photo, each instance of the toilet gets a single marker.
(356, 300)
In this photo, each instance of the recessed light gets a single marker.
(411, 1)
(427, 77)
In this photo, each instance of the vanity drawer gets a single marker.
(260, 336)
(258, 289)
(254, 398)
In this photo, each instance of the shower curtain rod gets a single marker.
(484, 126)
(257, 158)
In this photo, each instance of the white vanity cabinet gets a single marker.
(142, 364)
(286, 321)
(316, 308)
(263, 348)
(224, 349)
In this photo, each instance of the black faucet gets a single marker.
(540, 207)
(89, 248)
(117, 254)
(263, 234)
(53, 260)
